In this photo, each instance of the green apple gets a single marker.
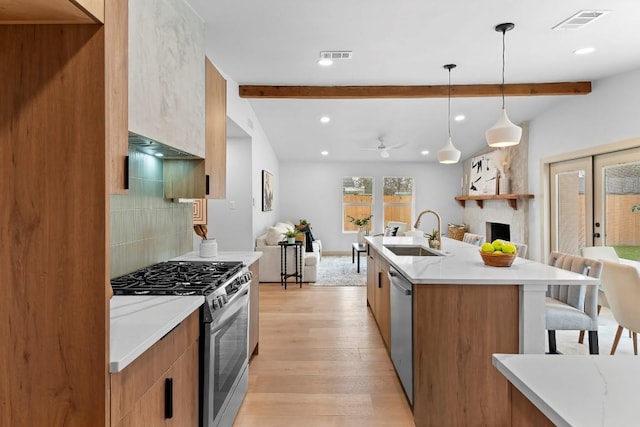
(509, 248)
(487, 247)
(498, 244)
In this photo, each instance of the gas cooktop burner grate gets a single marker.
(176, 278)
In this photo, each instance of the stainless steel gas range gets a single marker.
(224, 326)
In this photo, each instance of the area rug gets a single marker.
(339, 271)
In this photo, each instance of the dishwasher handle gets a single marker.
(399, 282)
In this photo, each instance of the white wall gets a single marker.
(262, 156)
(609, 114)
(313, 191)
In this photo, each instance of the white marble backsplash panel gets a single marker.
(166, 73)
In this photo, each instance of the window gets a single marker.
(357, 200)
(398, 200)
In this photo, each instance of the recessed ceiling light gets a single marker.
(159, 155)
(424, 152)
(324, 153)
(459, 118)
(325, 119)
(325, 62)
(584, 51)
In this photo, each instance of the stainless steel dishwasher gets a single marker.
(402, 330)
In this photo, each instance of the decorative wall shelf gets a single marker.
(512, 199)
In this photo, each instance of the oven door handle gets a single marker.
(230, 310)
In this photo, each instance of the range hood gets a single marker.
(151, 147)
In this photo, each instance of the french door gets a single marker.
(592, 201)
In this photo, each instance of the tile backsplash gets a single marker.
(146, 228)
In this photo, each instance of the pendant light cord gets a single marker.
(503, 49)
(449, 122)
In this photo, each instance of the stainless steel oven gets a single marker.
(225, 359)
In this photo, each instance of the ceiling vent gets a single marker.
(335, 54)
(580, 19)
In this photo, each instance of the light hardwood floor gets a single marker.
(321, 363)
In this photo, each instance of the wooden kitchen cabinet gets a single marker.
(199, 179)
(138, 392)
(215, 132)
(378, 293)
(116, 14)
(52, 12)
(254, 309)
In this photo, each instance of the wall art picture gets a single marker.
(482, 179)
(267, 191)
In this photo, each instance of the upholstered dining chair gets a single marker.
(599, 252)
(521, 249)
(573, 307)
(621, 284)
(474, 239)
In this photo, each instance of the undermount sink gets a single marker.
(412, 250)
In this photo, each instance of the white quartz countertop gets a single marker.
(462, 264)
(139, 321)
(247, 257)
(577, 390)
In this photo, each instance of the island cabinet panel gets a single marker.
(378, 293)
(138, 391)
(216, 132)
(383, 302)
(52, 11)
(54, 262)
(456, 329)
(524, 413)
(254, 309)
(371, 282)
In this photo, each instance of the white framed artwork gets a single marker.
(484, 170)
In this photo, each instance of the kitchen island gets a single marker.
(463, 312)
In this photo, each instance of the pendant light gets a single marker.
(504, 133)
(449, 154)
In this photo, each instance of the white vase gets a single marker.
(291, 240)
(208, 248)
(361, 236)
(504, 185)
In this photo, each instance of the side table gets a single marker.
(359, 248)
(297, 261)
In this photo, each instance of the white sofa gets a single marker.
(270, 260)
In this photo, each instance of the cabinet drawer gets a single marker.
(150, 409)
(129, 385)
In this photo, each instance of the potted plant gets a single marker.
(362, 224)
(291, 235)
(434, 239)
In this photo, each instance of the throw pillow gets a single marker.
(274, 235)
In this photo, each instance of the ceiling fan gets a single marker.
(384, 149)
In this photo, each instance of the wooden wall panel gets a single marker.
(456, 330)
(53, 260)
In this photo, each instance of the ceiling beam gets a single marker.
(442, 91)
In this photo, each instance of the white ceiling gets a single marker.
(407, 42)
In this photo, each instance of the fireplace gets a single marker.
(496, 230)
